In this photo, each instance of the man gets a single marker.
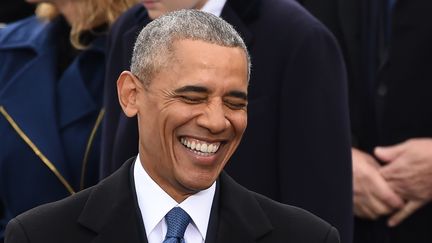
(298, 115)
(188, 87)
(392, 162)
(388, 49)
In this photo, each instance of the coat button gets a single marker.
(382, 90)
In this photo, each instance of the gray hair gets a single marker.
(154, 44)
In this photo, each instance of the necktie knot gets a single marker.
(177, 221)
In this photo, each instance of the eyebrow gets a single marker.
(201, 89)
(192, 88)
(238, 94)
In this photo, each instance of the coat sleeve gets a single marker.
(315, 169)
(15, 233)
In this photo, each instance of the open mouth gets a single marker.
(199, 147)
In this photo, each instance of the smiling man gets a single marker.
(192, 114)
(188, 87)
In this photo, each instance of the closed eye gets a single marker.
(192, 99)
(236, 100)
(191, 94)
(236, 106)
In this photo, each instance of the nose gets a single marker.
(213, 117)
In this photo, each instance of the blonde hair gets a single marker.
(89, 14)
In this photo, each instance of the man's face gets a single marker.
(192, 116)
(157, 8)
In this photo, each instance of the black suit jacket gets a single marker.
(108, 213)
(296, 148)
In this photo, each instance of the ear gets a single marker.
(127, 90)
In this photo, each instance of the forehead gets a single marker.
(195, 61)
(199, 49)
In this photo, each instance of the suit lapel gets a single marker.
(85, 72)
(111, 210)
(240, 217)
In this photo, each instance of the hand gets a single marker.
(409, 173)
(403, 213)
(408, 168)
(373, 197)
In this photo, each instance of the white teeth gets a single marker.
(202, 147)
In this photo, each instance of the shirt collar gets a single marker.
(154, 207)
(214, 7)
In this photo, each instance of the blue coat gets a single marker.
(48, 121)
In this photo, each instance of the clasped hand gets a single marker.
(399, 187)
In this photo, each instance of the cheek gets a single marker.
(239, 122)
(149, 119)
(178, 113)
(174, 117)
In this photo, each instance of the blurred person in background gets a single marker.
(392, 162)
(387, 49)
(51, 78)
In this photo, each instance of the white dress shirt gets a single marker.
(214, 7)
(154, 203)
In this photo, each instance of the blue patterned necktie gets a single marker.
(177, 221)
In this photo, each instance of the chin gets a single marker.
(155, 14)
(198, 183)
